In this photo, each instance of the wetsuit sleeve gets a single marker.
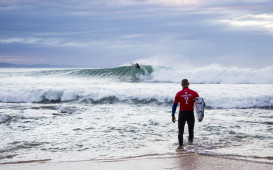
(176, 100)
(174, 109)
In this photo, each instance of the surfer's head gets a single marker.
(185, 83)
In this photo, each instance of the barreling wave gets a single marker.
(213, 74)
(122, 73)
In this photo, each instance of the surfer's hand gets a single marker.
(173, 119)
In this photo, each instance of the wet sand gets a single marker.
(184, 161)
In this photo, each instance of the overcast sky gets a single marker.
(108, 33)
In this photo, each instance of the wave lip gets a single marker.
(125, 73)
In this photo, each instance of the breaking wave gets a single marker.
(214, 74)
(89, 97)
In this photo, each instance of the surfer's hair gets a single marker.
(185, 82)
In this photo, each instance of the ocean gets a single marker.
(71, 114)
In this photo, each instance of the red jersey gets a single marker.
(186, 99)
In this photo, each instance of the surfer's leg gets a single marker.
(190, 122)
(181, 124)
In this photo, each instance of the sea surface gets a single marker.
(59, 114)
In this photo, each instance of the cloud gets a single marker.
(158, 2)
(39, 42)
(120, 31)
(87, 7)
(252, 21)
(20, 60)
(196, 5)
(183, 3)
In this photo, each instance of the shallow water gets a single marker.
(71, 114)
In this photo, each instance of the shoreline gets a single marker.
(152, 162)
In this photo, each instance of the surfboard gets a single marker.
(199, 106)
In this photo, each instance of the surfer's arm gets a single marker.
(174, 109)
(175, 103)
(173, 112)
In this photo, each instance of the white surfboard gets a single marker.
(199, 106)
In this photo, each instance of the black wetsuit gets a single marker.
(137, 66)
(185, 116)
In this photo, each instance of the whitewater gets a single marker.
(64, 114)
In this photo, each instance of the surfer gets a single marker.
(136, 65)
(186, 99)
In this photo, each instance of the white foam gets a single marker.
(31, 89)
(214, 74)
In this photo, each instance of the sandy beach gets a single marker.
(184, 161)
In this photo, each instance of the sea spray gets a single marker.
(214, 75)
